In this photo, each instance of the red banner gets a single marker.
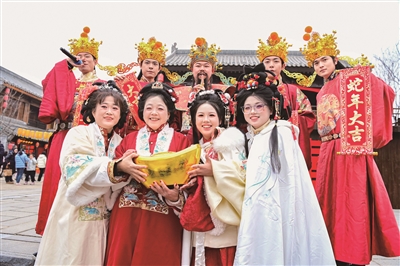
(356, 111)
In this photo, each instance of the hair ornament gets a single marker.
(160, 86)
(277, 108)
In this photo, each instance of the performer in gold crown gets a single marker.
(203, 64)
(350, 189)
(273, 57)
(62, 101)
(151, 58)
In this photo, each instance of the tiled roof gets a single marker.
(234, 58)
(11, 78)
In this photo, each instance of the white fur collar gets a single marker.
(229, 139)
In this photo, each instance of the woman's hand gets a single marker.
(128, 166)
(189, 184)
(202, 169)
(162, 189)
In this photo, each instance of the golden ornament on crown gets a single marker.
(317, 46)
(84, 45)
(275, 46)
(152, 49)
(201, 52)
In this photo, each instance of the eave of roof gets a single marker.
(234, 58)
(10, 78)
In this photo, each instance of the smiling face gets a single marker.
(107, 114)
(207, 120)
(324, 66)
(155, 112)
(256, 112)
(88, 62)
(150, 69)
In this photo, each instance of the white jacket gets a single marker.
(41, 161)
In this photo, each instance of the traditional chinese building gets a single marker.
(19, 125)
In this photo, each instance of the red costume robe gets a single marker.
(353, 198)
(130, 87)
(302, 116)
(143, 230)
(62, 99)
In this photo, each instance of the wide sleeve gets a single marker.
(382, 111)
(305, 121)
(225, 190)
(84, 172)
(58, 93)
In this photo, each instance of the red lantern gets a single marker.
(5, 98)
(7, 91)
(4, 105)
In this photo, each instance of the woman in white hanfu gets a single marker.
(76, 230)
(281, 220)
(212, 210)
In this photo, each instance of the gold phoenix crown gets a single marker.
(201, 52)
(274, 46)
(317, 46)
(84, 45)
(152, 49)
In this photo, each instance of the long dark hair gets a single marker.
(213, 98)
(167, 95)
(268, 94)
(98, 96)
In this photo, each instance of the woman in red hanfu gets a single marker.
(353, 198)
(63, 96)
(144, 225)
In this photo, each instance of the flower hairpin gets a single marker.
(249, 82)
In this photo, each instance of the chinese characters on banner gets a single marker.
(356, 111)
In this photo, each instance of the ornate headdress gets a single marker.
(224, 97)
(275, 46)
(317, 46)
(161, 86)
(84, 44)
(201, 52)
(152, 49)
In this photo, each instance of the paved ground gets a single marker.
(18, 215)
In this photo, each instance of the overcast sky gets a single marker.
(33, 31)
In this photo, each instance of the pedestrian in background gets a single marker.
(41, 163)
(20, 163)
(30, 170)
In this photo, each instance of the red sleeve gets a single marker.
(306, 121)
(382, 111)
(129, 142)
(58, 93)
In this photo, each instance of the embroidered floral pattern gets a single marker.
(164, 138)
(94, 211)
(137, 196)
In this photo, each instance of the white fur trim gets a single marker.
(229, 139)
